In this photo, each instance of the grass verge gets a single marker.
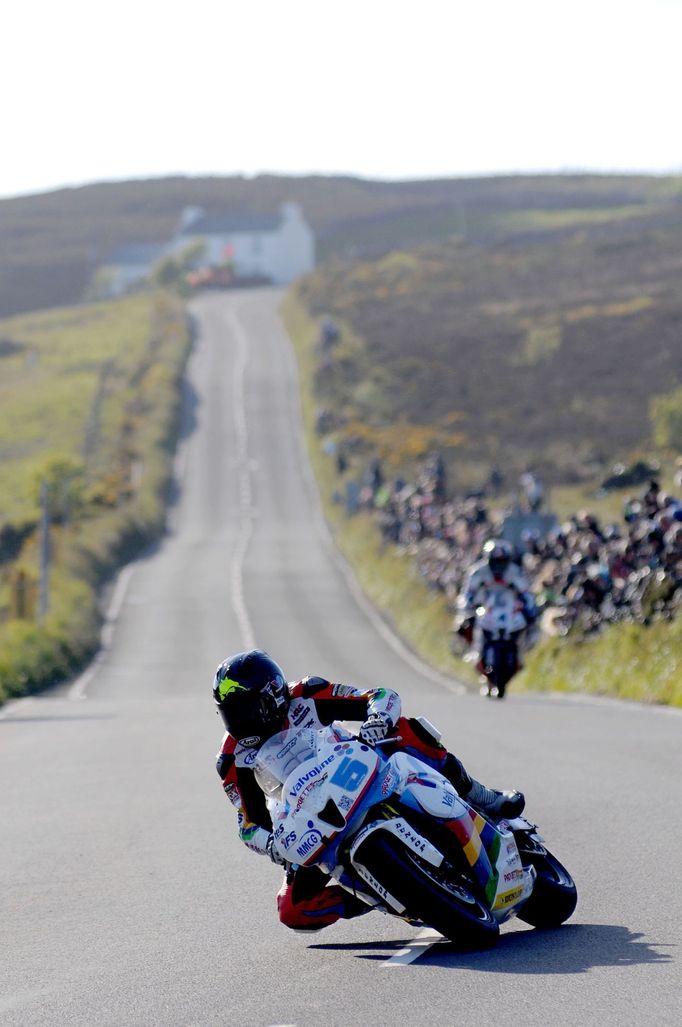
(121, 365)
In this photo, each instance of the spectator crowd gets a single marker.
(583, 572)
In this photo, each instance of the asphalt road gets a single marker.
(126, 897)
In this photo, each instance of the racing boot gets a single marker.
(495, 804)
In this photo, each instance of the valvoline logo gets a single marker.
(312, 773)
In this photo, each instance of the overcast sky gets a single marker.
(139, 88)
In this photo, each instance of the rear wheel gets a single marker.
(554, 896)
(440, 897)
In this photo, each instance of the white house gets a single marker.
(278, 247)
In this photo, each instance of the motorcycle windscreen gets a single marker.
(281, 755)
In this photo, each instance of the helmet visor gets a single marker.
(255, 714)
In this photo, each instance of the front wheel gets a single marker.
(554, 896)
(501, 663)
(438, 897)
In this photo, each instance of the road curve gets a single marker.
(126, 897)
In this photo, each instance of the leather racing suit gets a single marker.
(481, 578)
(306, 901)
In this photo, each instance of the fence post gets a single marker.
(19, 606)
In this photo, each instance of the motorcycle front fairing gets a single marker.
(321, 792)
(500, 614)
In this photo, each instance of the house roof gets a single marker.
(137, 253)
(227, 224)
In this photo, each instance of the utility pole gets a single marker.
(44, 547)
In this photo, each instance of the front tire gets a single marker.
(444, 902)
(554, 896)
(501, 666)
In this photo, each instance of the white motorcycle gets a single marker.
(394, 832)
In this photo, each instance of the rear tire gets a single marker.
(554, 896)
(444, 902)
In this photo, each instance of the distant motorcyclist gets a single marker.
(255, 702)
(495, 570)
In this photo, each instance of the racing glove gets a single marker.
(375, 729)
(273, 854)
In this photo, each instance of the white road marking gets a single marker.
(585, 699)
(245, 492)
(425, 940)
(78, 688)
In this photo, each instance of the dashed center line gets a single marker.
(245, 491)
(425, 940)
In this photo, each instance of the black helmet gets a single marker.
(499, 554)
(251, 692)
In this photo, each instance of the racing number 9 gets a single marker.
(349, 774)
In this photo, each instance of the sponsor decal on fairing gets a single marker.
(303, 795)
(288, 840)
(309, 841)
(390, 781)
(419, 779)
(379, 889)
(508, 898)
(312, 773)
(416, 842)
(287, 748)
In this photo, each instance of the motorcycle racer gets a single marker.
(495, 570)
(255, 701)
